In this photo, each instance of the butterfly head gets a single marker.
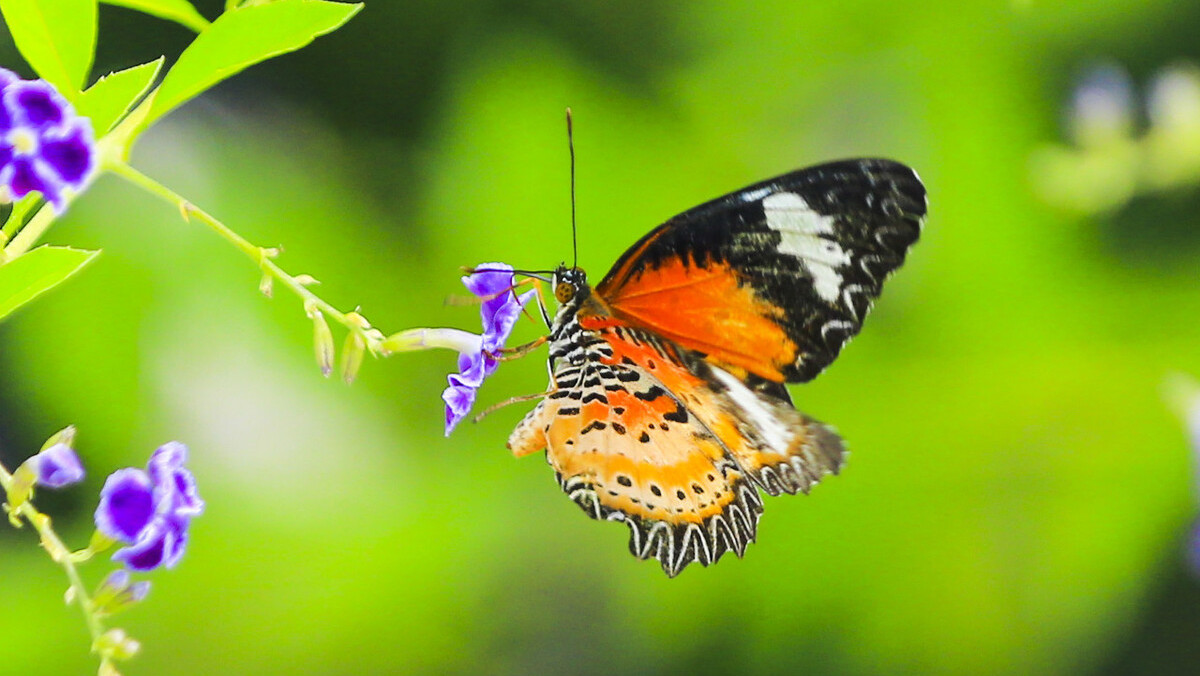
(570, 286)
(572, 292)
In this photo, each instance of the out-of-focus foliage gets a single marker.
(1018, 494)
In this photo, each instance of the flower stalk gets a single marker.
(352, 321)
(61, 555)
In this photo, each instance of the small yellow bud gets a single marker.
(352, 356)
(323, 343)
(65, 436)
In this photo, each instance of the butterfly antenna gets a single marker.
(574, 235)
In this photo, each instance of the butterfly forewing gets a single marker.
(772, 280)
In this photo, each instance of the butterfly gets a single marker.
(667, 408)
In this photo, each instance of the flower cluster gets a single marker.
(150, 510)
(493, 283)
(44, 145)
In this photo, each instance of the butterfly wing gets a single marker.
(625, 448)
(649, 434)
(771, 281)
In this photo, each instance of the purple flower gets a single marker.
(44, 145)
(57, 466)
(150, 510)
(492, 282)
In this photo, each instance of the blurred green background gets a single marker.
(1019, 491)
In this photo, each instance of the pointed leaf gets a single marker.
(29, 276)
(56, 37)
(242, 38)
(179, 11)
(106, 101)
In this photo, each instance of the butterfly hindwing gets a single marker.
(625, 448)
(772, 280)
(647, 433)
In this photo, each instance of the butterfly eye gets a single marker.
(564, 292)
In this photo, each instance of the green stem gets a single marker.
(61, 555)
(29, 235)
(16, 218)
(261, 256)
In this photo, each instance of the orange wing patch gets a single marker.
(707, 310)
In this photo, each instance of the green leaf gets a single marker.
(113, 95)
(242, 38)
(29, 276)
(179, 11)
(56, 37)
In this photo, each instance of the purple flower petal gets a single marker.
(72, 156)
(174, 486)
(501, 324)
(58, 466)
(28, 176)
(117, 581)
(138, 591)
(6, 118)
(36, 103)
(489, 279)
(126, 505)
(472, 369)
(152, 549)
(170, 456)
(459, 400)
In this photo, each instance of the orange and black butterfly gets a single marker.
(668, 409)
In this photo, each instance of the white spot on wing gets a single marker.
(800, 230)
(756, 411)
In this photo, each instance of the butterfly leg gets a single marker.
(511, 400)
(539, 296)
(508, 353)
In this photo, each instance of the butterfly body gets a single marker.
(668, 409)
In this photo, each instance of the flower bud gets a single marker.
(352, 356)
(57, 466)
(322, 342)
(65, 436)
(21, 489)
(117, 592)
(116, 644)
